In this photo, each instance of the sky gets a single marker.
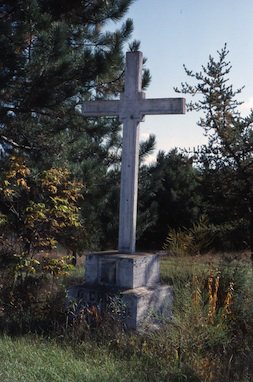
(178, 32)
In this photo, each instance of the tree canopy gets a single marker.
(53, 56)
(227, 157)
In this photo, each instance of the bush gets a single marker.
(203, 237)
(193, 241)
(35, 304)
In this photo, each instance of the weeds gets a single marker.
(208, 339)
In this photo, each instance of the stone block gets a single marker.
(142, 306)
(122, 270)
(132, 278)
(147, 306)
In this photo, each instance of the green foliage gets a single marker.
(168, 195)
(225, 207)
(195, 240)
(227, 159)
(178, 242)
(55, 56)
(38, 208)
(209, 338)
(210, 317)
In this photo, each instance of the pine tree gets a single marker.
(169, 196)
(54, 55)
(230, 137)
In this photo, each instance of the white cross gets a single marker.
(131, 108)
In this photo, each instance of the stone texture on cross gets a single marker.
(131, 108)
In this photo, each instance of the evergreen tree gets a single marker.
(55, 55)
(169, 195)
(230, 137)
(226, 210)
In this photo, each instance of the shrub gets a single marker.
(195, 240)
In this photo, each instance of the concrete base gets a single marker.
(147, 306)
(122, 270)
(132, 281)
(142, 306)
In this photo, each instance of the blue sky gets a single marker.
(177, 32)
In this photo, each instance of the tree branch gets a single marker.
(15, 144)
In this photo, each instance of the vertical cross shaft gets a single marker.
(130, 155)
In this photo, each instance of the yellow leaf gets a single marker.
(8, 192)
(21, 182)
(52, 189)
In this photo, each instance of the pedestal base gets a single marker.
(132, 281)
(147, 306)
(142, 306)
(122, 270)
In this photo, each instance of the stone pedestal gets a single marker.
(119, 270)
(132, 277)
(147, 306)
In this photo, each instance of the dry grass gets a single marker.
(209, 338)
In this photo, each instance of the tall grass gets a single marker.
(210, 337)
(213, 316)
(32, 360)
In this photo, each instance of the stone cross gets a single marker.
(131, 109)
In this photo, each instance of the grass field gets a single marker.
(209, 339)
(31, 359)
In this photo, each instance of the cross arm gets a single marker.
(163, 106)
(101, 108)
